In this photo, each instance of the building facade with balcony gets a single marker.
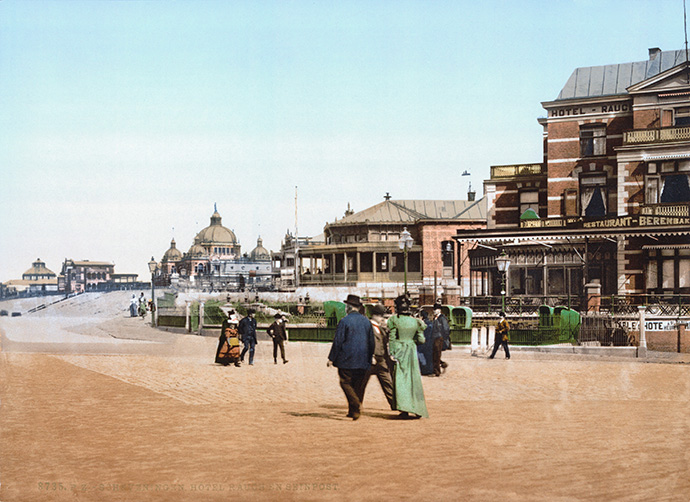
(607, 209)
(81, 276)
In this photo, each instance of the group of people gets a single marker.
(398, 350)
(234, 332)
(138, 307)
(388, 349)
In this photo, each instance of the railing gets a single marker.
(515, 170)
(519, 305)
(656, 135)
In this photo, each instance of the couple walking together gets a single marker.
(362, 348)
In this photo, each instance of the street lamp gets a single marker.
(503, 262)
(152, 269)
(406, 242)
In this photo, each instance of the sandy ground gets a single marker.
(99, 406)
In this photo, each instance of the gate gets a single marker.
(604, 330)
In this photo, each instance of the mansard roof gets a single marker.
(614, 79)
(410, 211)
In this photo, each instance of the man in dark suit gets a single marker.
(278, 332)
(247, 329)
(382, 359)
(440, 332)
(352, 352)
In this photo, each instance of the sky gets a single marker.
(122, 123)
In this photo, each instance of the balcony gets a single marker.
(516, 170)
(657, 135)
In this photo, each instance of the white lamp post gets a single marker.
(406, 242)
(503, 262)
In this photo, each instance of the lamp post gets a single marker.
(503, 262)
(152, 269)
(406, 242)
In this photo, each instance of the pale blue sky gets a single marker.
(123, 119)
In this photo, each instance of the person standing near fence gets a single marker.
(501, 336)
(247, 329)
(278, 332)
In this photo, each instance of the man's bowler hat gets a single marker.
(353, 300)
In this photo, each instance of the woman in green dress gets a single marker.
(406, 332)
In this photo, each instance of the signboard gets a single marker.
(637, 220)
(651, 325)
(570, 111)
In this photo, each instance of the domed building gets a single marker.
(260, 253)
(171, 259)
(218, 240)
(214, 261)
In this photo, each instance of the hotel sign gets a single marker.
(637, 220)
(570, 111)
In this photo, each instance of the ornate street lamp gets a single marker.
(503, 262)
(406, 242)
(152, 268)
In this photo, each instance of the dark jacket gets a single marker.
(277, 330)
(381, 340)
(353, 343)
(247, 328)
(440, 328)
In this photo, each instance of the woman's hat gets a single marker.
(402, 304)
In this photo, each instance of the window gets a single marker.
(668, 182)
(366, 263)
(529, 199)
(592, 140)
(681, 117)
(447, 253)
(668, 271)
(593, 195)
(382, 262)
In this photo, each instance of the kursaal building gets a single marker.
(215, 262)
(609, 204)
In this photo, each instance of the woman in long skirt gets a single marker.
(228, 351)
(406, 332)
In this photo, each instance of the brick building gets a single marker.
(608, 206)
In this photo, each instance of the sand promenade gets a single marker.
(131, 413)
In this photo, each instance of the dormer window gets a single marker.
(592, 140)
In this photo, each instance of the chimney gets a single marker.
(471, 194)
(653, 53)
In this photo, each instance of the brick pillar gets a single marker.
(593, 291)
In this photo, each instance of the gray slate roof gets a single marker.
(593, 81)
(410, 211)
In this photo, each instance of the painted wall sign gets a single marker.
(618, 222)
(651, 325)
(572, 111)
